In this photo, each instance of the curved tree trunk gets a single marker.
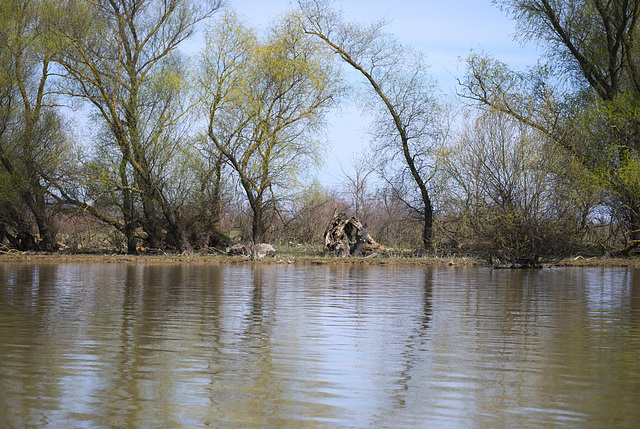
(400, 126)
(427, 232)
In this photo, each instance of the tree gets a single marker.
(586, 98)
(209, 194)
(311, 210)
(510, 191)
(121, 56)
(32, 142)
(265, 101)
(400, 92)
(357, 184)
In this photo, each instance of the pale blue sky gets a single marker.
(445, 31)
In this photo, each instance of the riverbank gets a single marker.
(311, 257)
(35, 257)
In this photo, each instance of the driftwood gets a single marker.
(346, 236)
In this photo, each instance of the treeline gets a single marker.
(190, 152)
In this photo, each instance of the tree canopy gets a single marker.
(266, 101)
(586, 97)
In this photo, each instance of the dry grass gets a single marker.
(297, 254)
(631, 262)
(285, 255)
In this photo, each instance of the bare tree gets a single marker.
(510, 191)
(401, 93)
(358, 183)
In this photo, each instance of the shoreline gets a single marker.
(284, 259)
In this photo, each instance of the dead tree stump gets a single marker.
(345, 236)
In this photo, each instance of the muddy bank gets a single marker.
(62, 258)
(289, 258)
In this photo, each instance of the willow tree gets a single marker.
(586, 98)
(121, 56)
(265, 98)
(408, 122)
(32, 143)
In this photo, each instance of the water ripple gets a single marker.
(321, 346)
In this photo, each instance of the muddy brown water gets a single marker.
(135, 345)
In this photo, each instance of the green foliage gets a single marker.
(586, 98)
(8, 196)
(34, 148)
(517, 197)
(123, 58)
(629, 173)
(266, 99)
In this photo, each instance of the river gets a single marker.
(180, 346)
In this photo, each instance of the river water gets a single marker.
(129, 345)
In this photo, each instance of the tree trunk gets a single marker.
(177, 232)
(128, 212)
(150, 224)
(634, 224)
(129, 233)
(427, 231)
(257, 227)
(47, 237)
(43, 221)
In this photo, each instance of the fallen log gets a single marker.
(346, 236)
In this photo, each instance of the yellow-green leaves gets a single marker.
(265, 96)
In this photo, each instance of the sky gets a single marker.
(446, 31)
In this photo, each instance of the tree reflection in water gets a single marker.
(336, 345)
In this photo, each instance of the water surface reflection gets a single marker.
(317, 346)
